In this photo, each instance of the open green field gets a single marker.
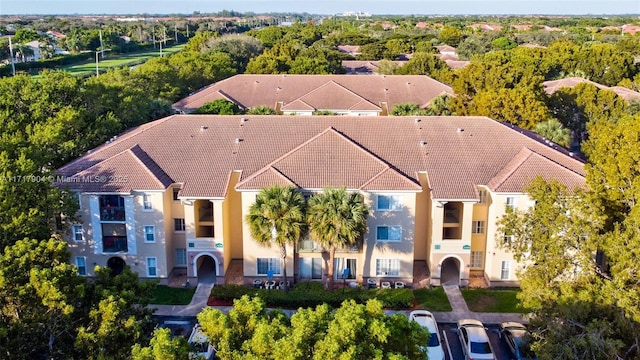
(119, 60)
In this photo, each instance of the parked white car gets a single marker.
(426, 319)
(474, 340)
(200, 341)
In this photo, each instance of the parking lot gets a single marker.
(453, 349)
(182, 326)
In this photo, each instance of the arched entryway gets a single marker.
(205, 267)
(450, 271)
(116, 265)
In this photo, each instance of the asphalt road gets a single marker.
(452, 348)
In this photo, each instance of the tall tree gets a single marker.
(554, 131)
(336, 219)
(277, 217)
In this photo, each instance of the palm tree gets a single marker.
(337, 218)
(277, 217)
(554, 131)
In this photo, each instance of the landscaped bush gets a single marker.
(310, 294)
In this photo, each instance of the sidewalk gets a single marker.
(458, 305)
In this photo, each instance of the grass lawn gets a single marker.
(165, 295)
(432, 299)
(119, 60)
(493, 300)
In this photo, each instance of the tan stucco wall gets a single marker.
(401, 250)
(232, 218)
(422, 216)
(495, 256)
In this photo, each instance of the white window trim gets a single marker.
(144, 229)
(395, 202)
(185, 257)
(86, 271)
(184, 225)
(512, 205)
(389, 226)
(337, 275)
(388, 267)
(477, 253)
(478, 224)
(265, 274)
(148, 267)
(507, 268)
(146, 199)
(73, 233)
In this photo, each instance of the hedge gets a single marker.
(310, 294)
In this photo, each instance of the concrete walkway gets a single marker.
(458, 305)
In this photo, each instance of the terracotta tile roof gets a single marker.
(333, 96)
(457, 64)
(552, 86)
(370, 153)
(131, 169)
(253, 90)
(446, 49)
(528, 165)
(331, 159)
(297, 105)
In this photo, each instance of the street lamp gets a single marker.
(97, 70)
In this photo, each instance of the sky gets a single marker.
(376, 7)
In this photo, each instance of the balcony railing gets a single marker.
(113, 244)
(108, 213)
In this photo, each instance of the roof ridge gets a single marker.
(263, 171)
(332, 82)
(514, 164)
(382, 172)
(134, 150)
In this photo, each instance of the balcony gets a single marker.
(114, 244)
(112, 214)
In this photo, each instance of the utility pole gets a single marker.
(187, 31)
(13, 66)
(154, 36)
(175, 30)
(97, 70)
(101, 46)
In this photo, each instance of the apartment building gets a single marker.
(172, 195)
(348, 95)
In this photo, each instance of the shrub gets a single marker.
(311, 294)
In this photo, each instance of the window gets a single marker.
(77, 233)
(266, 264)
(476, 259)
(149, 234)
(508, 239)
(389, 203)
(181, 257)
(77, 197)
(504, 270)
(175, 194)
(146, 202)
(483, 196)
(389, 233)
(511, 203)
(112, 208)
(341, 264)
(387, 267)
(477, 227)
(311, 268)
(81, 264)
(178, 224)
(152, 267)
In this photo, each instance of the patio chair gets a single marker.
(257, 284)
(372, 283)
(399, 284)
(385, 285)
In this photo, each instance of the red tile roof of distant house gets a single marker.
(552, 86)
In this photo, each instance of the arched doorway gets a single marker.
(450, 271)
(116, 265)
(205, 269)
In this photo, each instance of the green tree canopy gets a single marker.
(277, 217)
(354, 331)
(336, 219)
(219, 106)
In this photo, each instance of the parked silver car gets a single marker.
(426, 319)
(474, 339)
